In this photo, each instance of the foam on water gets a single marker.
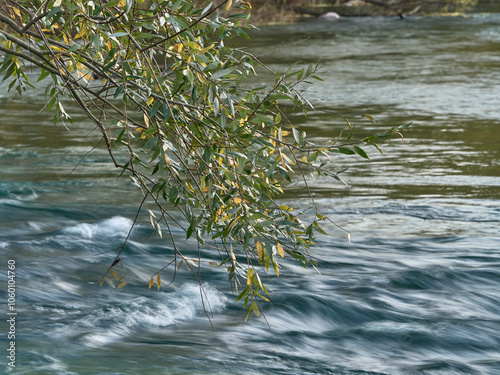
(122, 321)
(46, 364)
(115, 226)
(11, 202)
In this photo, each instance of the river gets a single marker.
(417, 291)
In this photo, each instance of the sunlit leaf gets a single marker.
(260, 250)
(114, 274)
(369, 117)
(280, 250)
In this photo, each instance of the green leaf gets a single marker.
(360, 152)
(346, 151)
(43, 74)
(53, 11)
(73, 48)
(221, 73)
(119, 33)
(130, 4)
(155, 108)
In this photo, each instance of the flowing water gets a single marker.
(416, 292)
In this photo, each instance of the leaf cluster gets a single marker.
(161, 81)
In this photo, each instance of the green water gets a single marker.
(416, 292)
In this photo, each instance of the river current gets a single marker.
(417, 291)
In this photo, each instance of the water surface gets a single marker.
(416, 292)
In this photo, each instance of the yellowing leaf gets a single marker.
(101, 282)
(16, 11)
(151, 282)
(146, 120)
(122, 284)
(370, 118)
(228, 5)
(280, 250)
(158, 281)
(260, 250)
(180, 265)
(150, 100)
(237, 200)
(207, 49)
(114, 274)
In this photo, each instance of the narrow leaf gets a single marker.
(360, 152)
(280, 250)
(114, 274)
(158, 281)
(370, 118)
(260, 250)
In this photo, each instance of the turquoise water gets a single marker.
(416, 292)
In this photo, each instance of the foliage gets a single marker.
(161, 82)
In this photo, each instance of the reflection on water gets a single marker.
(417, 291)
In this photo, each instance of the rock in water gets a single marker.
(329, 16)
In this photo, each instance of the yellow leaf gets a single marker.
(233, 222)
(158, 281)
(150, 100)
(260, 250)
(146, 120)
(151, 282)
(122, 284)
(280, 250)
(206, 49)
(122, 3)
(16, 11)
(114, 274)
(180, 265)
(237, 200)
(101, 282)
(284, 133)
(370, 118)
(228, 5)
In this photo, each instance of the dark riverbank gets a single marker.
(270, 13)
